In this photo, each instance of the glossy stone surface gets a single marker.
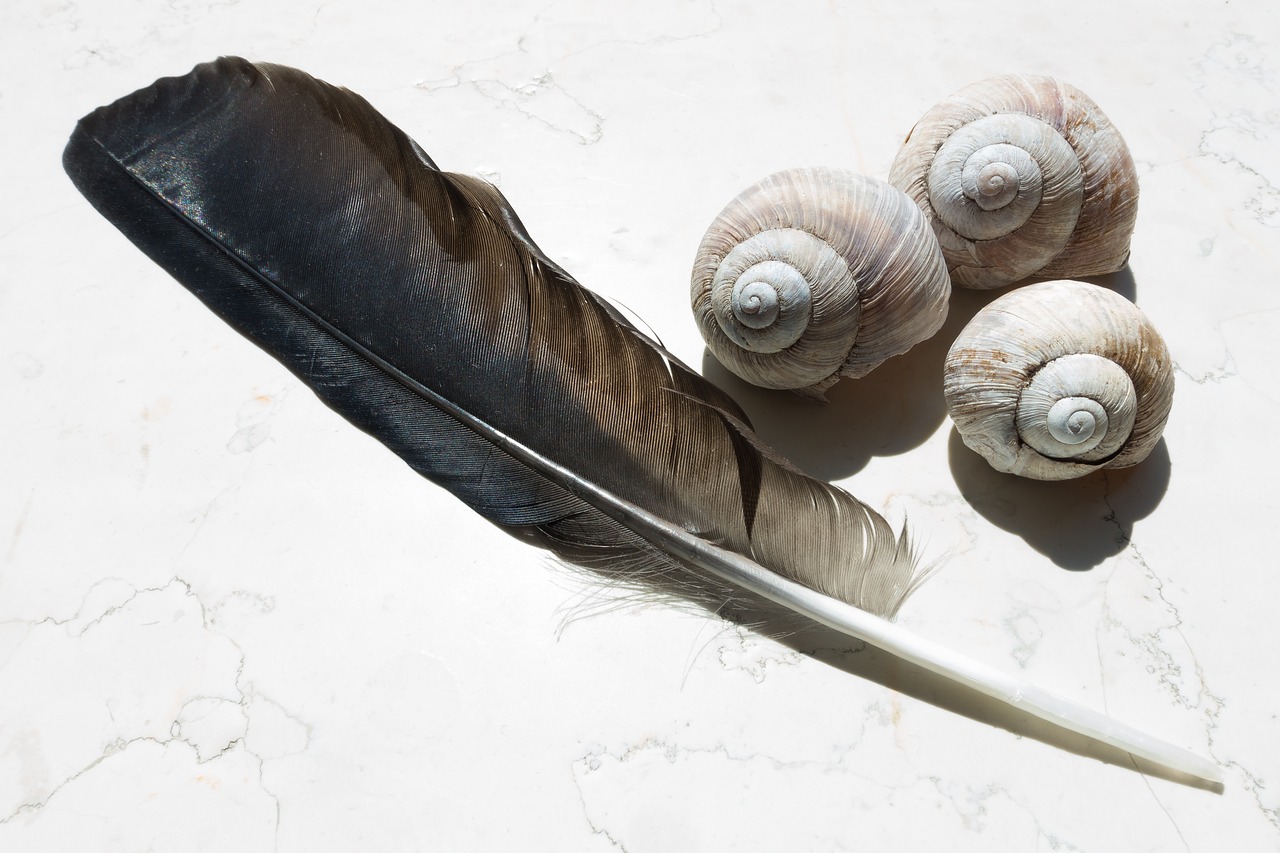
(192, 659)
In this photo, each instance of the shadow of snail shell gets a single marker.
(1021, 176)
(812, 274)
(1055, 380)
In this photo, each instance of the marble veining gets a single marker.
(229, 621)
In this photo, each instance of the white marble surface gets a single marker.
(229, 621)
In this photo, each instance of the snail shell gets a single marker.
(1021, 176)
(1057, 379)
(816, 273)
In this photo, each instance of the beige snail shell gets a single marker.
(813, 274)
(1058, 379)
(1021, 177)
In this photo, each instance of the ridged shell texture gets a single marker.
(1021, 177)
(813, 274)
(1058, 379)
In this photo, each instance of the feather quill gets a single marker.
(414, 303)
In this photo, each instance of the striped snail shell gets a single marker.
(1058, 379)
(1021, 176)
(812, 274)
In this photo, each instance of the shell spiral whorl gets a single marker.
(815, 273)
(1058, 379)
(1079, 406)
(1021, 176)
(762, 294)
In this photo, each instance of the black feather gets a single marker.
(325, 235)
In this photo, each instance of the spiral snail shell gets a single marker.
(1054, 380)
(1021, 176)
(816, 273)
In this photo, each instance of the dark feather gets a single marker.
(414, 304)
(325, 235)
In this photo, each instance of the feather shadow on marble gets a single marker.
(413, 302)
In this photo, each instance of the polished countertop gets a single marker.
(231, 621)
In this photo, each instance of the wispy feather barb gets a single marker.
(413, 302)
